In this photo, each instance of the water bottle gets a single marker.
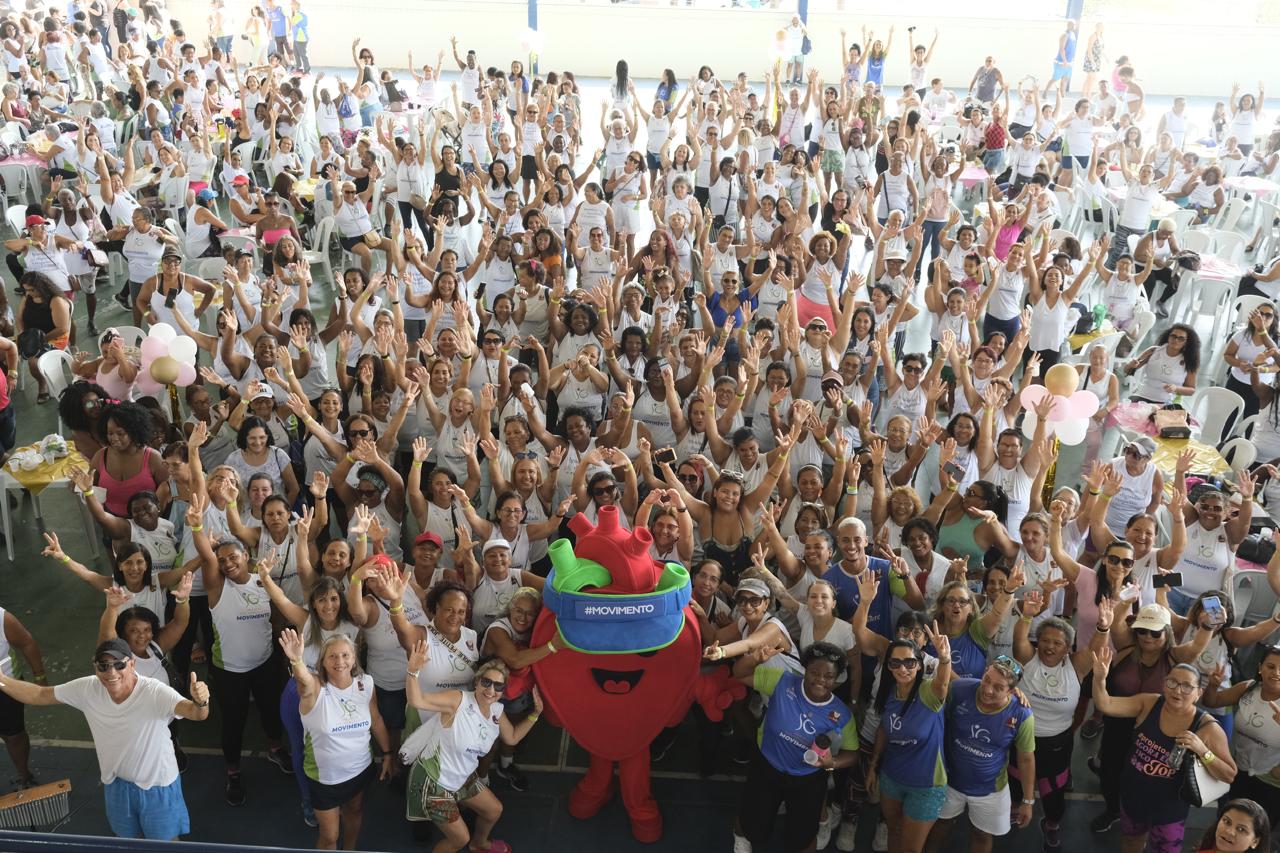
(1099, 315)
(1176, 756)
(820, 749)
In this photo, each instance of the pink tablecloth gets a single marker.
(972, 176)
(1213, 267)
(1136, 417)
(1251, 184)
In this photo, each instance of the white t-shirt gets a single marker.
(132, 737)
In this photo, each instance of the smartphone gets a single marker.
(1216, 612)
(665, 455)
(1171, 579)
(954, 471)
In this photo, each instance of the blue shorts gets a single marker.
(1082, 162)
(919, 804)
(158, 812)
(653, 161)
(1061, 71)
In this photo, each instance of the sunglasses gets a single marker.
(107, 666)
(688, 478)
(491, 342)
(913, 370)
(903, 663)
(1009, 666)
(496, 686)
(1134, 453)
(1113, 560)
(603, 491)
(748, 600)
(360, 433)
(1148, 632)
(524, 454)
(368, 493)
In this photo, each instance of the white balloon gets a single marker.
(1029, 422)
(163, 332)
(1072, 431)
(183, 349)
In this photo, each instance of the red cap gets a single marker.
(239, 181)
(427, 537)
(36, 220)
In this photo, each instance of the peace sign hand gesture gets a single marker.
(940, 642)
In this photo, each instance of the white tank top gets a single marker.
(241, 626)
(1048, 325)
(491, 597)
(894, 195)
(1205, 559)
(1006, 302)
(1134, 496)
(1256, 742)
(1053, 693)
(387, 661)
(445, 670)
(337, 732)
(1160, 370)
(459, 747)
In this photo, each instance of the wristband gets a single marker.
(1208, 758)
(357, 581)
(626, 409)
(320, 498)
(417, 464)
(946, 661)
(232, 503)
(1103, 630)
(295, 662)
(1095, 492)
(350, 459)
(741, 396)
(411, 674)
(953, 488)
(1026, 619)
(850, 491)
(204, 704)
(399, 608)
(42, 678)
(181, 601)
(533, 718)
(196, 528)
(65, 559)
(1106, 497)
(551, 647)
(465, 357)
(1028, 802)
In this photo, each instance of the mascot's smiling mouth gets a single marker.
(618, 682)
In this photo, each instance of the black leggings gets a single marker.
(766, 789)
(232, 690)
(1053, 774)
(1113, 748)
(1160, 276)
(407, 210)
(200, 620)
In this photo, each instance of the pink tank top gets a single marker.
(119, 491)
(273, 235)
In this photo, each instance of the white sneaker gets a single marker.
(847, 837)
(741, 844)
(824, 835)
(880, 844)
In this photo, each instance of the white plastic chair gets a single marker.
(1228, 217)
(55, 367)
(1212, 408)
(1196, 241)
(1240, 453)
(318, 253)
(1229, 246)
(1182, 219)
(1253, 597)
(16, 216)
(131, 335)
(1143, 323)
(1244, 427)
(17, 189)
(1108, 342)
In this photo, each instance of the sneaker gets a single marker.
(1104, 821)
(235, 790)
(741, 844)
(824, 835)
(122, 296)
(93, 329)
(1091, 729)
(513, 776)
(281, 759)
(180, 757)
(309, 815)
(847, 836)
(1052, 834)
(880, 844)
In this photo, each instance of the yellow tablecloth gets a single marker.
(1079, 342)
(305, 188)
(1207, 460)
(35, 480)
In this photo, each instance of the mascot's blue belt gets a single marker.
(608, 623)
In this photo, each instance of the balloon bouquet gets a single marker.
(168, 360)
(1069, 418)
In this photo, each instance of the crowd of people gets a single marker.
(784, 324)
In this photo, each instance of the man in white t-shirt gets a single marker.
(129, 718)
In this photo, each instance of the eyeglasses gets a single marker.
(1134, 453)
(107, 666)
(1182, 687)
(748, 600)
(953, 601)
(1148, 632)
(688, 478)
(496, 686)
(730, 279)
(491, 341)
(1178, 337)
(903, 663)
(708, 576)
(604, 491)
(360, 433)
(368, 493)
(1113, 560)
(913, 370)
(348, 192)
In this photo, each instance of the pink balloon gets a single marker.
(1083, 404)
(186, 375)
(1032, 395)
(1061, 409)
(153, 348)
(147, 385)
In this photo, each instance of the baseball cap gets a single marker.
(239, 181)
(171, 252)
(833, 376)
(262, 394)
(206, 195)
(753, 586)
(426, 537)
(895, 255)
(37, 219)
(115, 648)
(1153, 617)
(496, 542)
(1143, 444)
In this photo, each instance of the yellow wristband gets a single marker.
(399, 608)
(295, 662)
(417, 464)
(65, 559)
